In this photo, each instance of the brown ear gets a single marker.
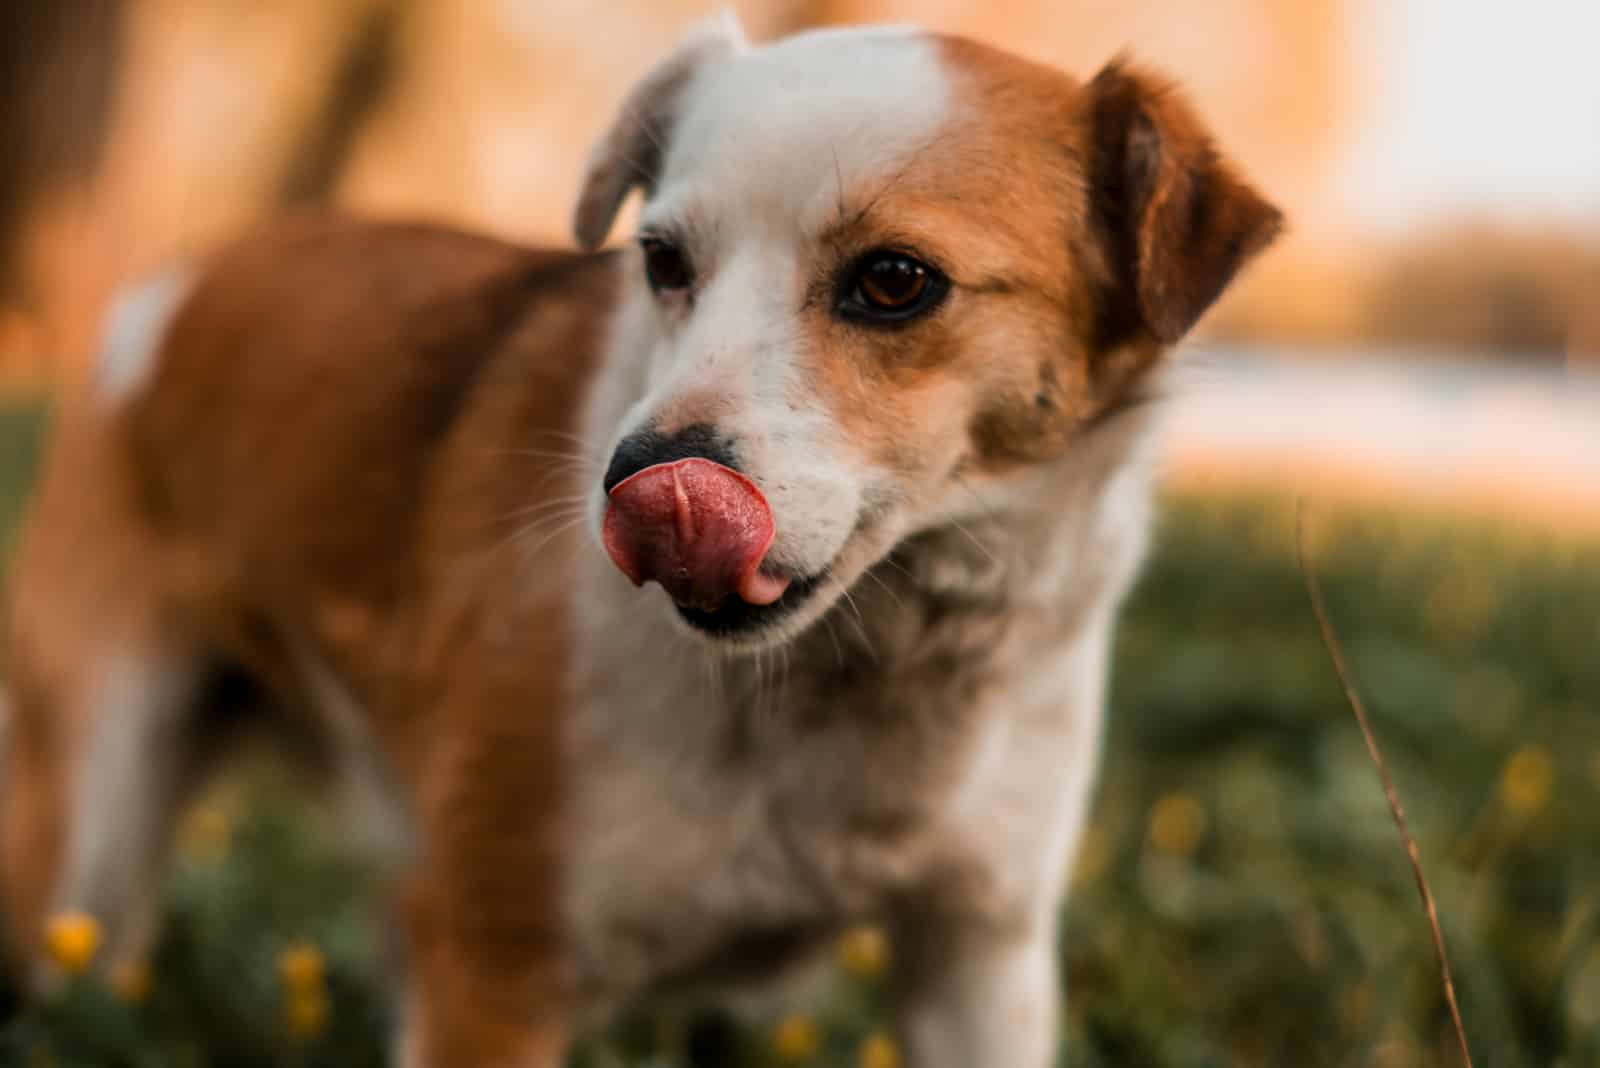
(630, 153)
(1175, 220)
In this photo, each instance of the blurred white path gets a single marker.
(1517, 438)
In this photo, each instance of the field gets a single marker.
(1241, 899)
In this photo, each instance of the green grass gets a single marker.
(21, 440)
(1242, 899)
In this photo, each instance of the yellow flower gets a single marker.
(864, 952)
(1527, 781)
(796, 1039)
(73, 938)
(130, 981)
(302, 968)
(879, 1051)
(306, 1013)
(1177, 824)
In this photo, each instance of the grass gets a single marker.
(21, 437)
(1241, 898)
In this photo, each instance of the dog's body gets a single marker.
(357, 478)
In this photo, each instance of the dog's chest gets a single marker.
(738, 815)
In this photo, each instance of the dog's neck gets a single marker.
(1024, 565)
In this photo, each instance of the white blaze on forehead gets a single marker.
(770, 135)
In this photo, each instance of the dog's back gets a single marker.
(241, 523)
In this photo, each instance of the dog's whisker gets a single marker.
(899, 176)
(756, 719)
(549, 454)
(838, 184)
(557, 523)
(564, 498)
(833, 636)
(984, 506)
(550, 523)
(889, 590)
(898, 566)
(564, 435)
(783, 684)
(860, 623)
(973, 538)
(534, 549)
(544, 522)
(714, 674)
(576, 502)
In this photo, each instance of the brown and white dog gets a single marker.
(864, 399)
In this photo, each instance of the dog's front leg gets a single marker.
(486, 981)
(971, 995)
(472, 995)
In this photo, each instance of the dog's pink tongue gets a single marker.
(696, 527)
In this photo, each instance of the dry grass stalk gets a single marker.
(1347, 681)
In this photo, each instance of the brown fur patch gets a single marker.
(993, 206)
(330, 458)
(1177, 220)
(1134, 225)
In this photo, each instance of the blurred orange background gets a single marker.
(1437, 159)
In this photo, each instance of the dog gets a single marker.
(659, 612)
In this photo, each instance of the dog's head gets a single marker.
(872, 268)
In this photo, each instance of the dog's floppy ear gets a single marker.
(630, 153)
(1174, 218)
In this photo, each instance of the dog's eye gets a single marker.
(665, 265)
(890, 287)
(892, 282)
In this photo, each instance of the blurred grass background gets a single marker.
(1241, 898)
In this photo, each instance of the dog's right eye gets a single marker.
(665, 265)
(886, 288)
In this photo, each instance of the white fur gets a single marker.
(757, 136)
(135, 329)
(126, 789)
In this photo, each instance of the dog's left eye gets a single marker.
(666, 266)
(890, 287)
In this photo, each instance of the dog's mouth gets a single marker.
(703, 531)
(738, 618)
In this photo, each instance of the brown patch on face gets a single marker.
(1084, 228)
(905, 395)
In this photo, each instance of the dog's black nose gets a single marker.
(646, 448)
